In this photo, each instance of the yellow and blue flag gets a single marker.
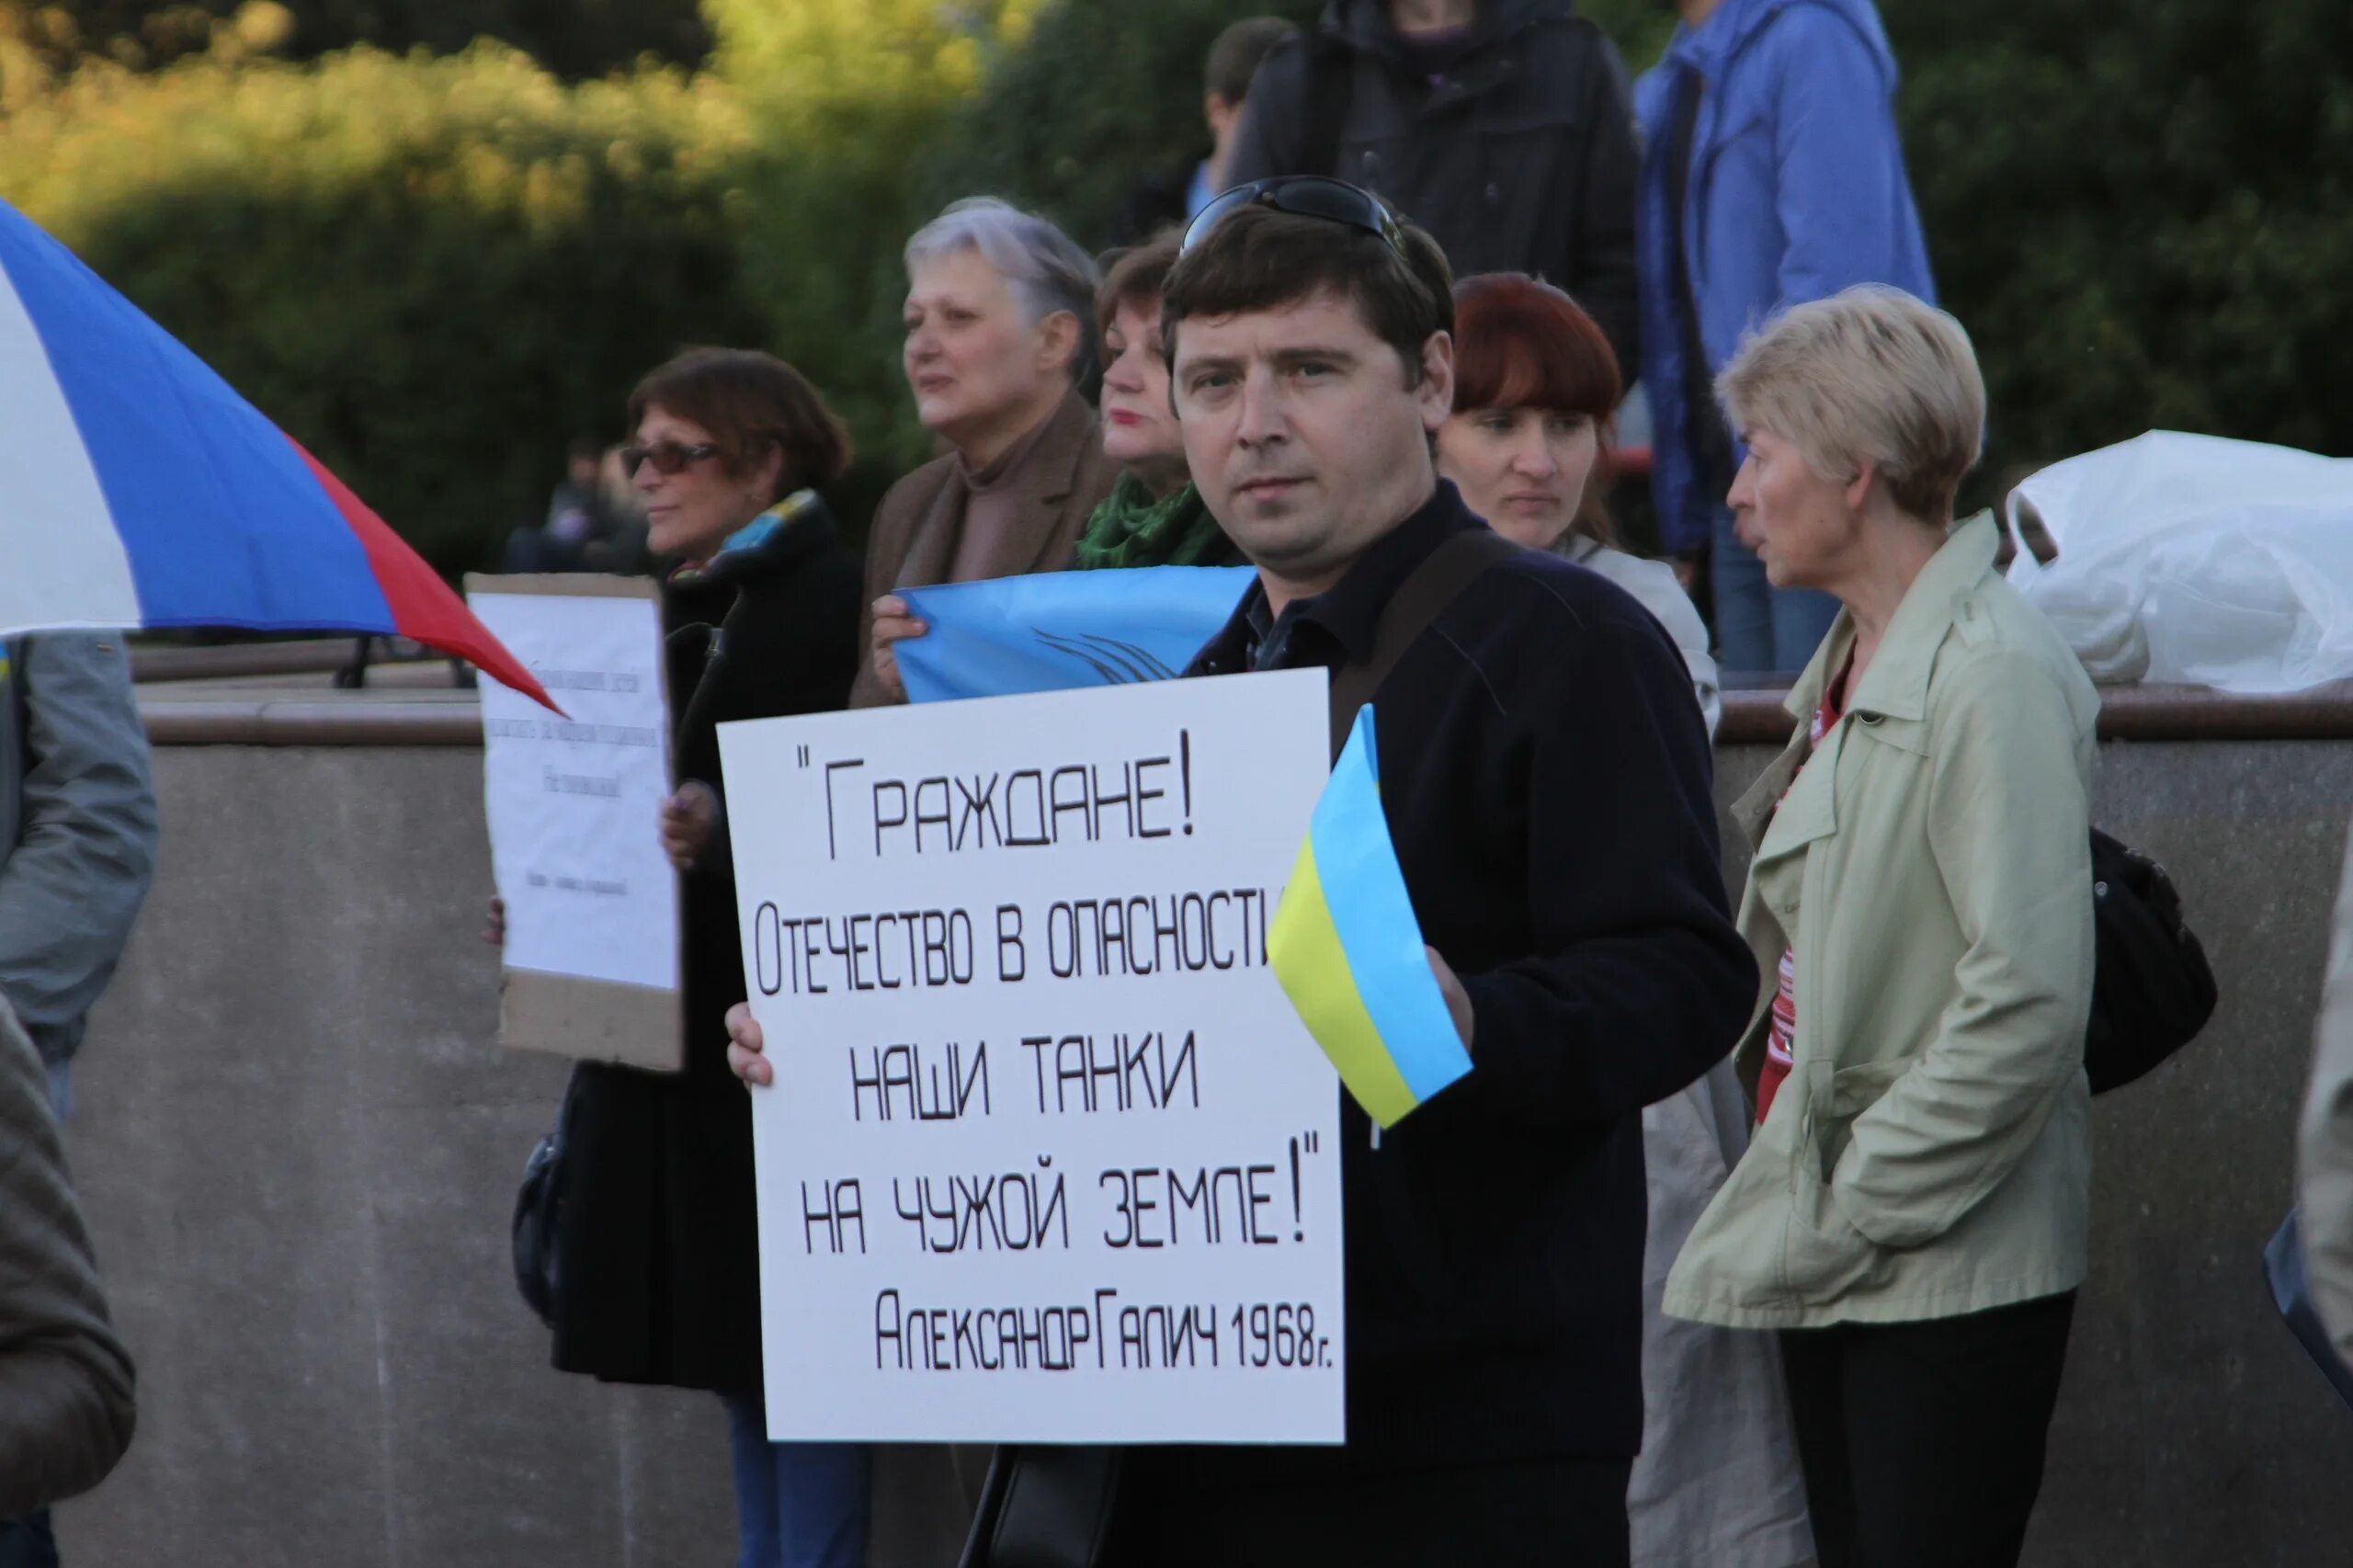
(1349, 951)
(1344, 942)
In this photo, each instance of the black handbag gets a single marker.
(1044, 1508)
(533, 1231)
(2152, 988)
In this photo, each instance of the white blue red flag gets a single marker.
(137, 489)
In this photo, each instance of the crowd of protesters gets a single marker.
(1798, 1187)
(1787, 1272)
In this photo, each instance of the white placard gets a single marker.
(1032, 1172)
(574, 801)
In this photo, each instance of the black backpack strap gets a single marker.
(1436, 583)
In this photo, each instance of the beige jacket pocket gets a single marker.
(1853, 1090)
(1823, 1256)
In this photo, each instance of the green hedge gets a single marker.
(1090, 106)
(575, 39)
(2143, 212)
(430, 271)
(848, 100)
(433, 270)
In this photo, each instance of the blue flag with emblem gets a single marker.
(1060, 629)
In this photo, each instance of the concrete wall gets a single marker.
(298, 1146)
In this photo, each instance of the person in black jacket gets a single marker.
(1545, 775)
(657, 1241)
(1504, 127)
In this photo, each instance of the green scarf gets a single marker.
(1131, 528)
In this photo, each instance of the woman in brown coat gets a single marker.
(1000, 335)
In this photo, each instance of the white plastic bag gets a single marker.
(2200, 561)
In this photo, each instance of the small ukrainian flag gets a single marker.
(1349, 952)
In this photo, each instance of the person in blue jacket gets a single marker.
(1772, 174)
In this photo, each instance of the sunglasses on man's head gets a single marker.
(667, 457)
(1304, 195)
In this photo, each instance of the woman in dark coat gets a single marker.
(657, 1243)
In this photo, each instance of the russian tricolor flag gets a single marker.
(137, 489)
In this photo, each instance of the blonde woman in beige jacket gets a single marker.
(1912, 1212)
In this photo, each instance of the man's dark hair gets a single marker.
(1258, 258)
(1238, 52)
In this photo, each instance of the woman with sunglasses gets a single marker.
(657, 1243)
(1535, 388)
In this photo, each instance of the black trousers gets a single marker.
(1922, 1442)
(1536, 1512)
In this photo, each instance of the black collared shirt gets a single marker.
(1270, 634)
(1547, 782)
(1339, 623)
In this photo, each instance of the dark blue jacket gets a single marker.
(1796, 190)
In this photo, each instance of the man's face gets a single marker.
(1301, 433)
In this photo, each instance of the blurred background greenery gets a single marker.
(436, 241)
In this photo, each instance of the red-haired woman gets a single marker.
(1528, 445)
(1535, 388)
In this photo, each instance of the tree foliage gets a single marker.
(434, 267)
(2143, 211)
(429, 271)
(849, 100)
(1087, 109)
(575, 39)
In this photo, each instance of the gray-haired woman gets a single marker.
(1000, 320)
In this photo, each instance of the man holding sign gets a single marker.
(1545, 779)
